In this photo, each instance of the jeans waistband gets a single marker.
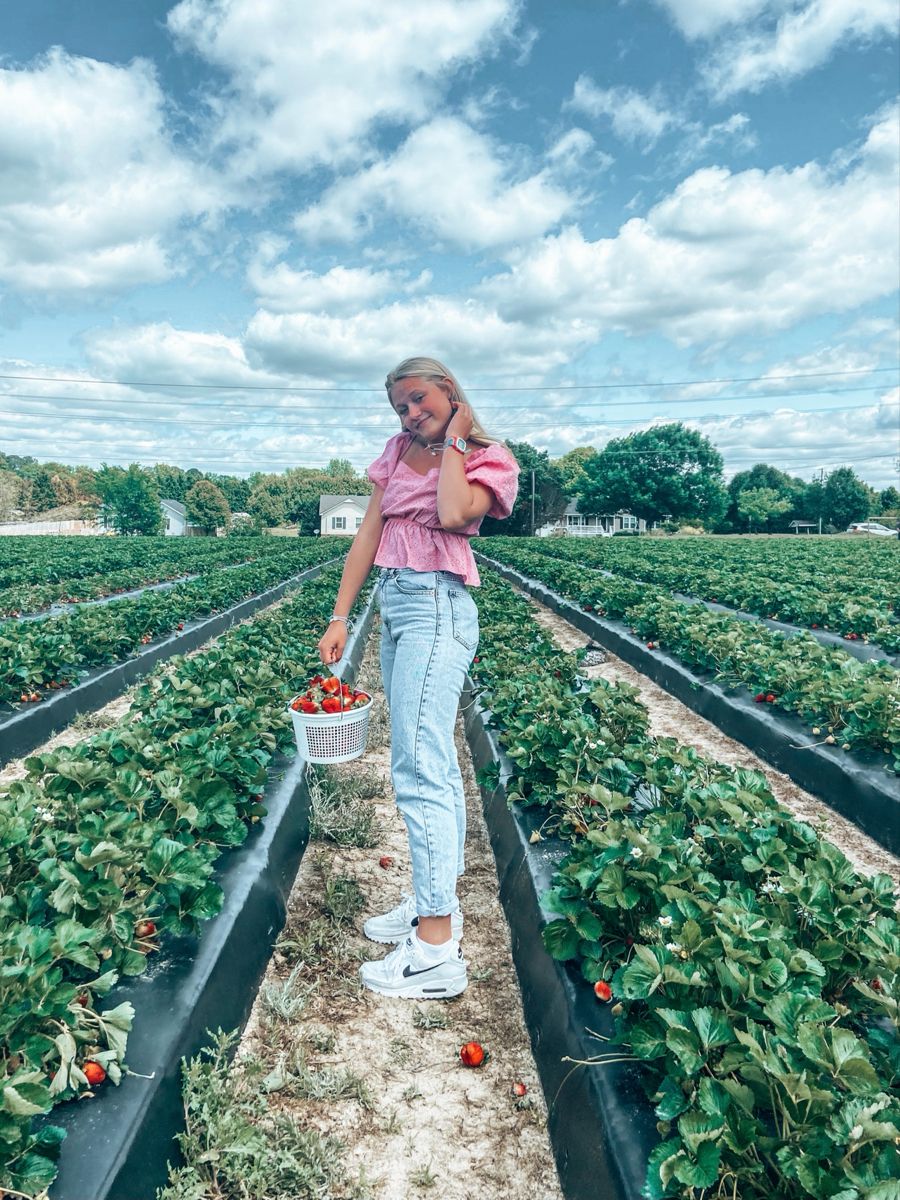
(449, 576)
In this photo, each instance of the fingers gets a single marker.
(331, 647)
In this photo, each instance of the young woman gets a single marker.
(434, 482)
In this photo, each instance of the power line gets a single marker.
(182, 403)
(562, 387)
(342, 426)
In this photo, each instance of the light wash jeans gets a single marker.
(429, 634)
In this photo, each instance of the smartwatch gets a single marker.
(455, 443)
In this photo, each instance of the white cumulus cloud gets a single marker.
(91, 187)
(726, 254)
(634, 117)
(453, 182)
(281, 288)
(307, 83)
(802, 40)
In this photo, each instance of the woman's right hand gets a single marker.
(331, 646)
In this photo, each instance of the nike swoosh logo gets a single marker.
(408, 974)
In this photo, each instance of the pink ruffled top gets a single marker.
(412, 535)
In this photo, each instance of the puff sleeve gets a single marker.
(380, 471)
(495, 468)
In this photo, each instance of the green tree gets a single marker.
(759, 504)
(206, 506)
(667, 471)
(549, 497)
(845, 498)
(267, 502)
(786, 487)
(10, 494)
(130, 499)
(889, 499)
(43, 497)
(172, 482)
(236, 491)
(571, 467)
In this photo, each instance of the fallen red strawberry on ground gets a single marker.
(385, 861)
(94, 1072)
(472, 1054)
(519, 1089)
(602, 990)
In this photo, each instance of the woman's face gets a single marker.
(423, 406)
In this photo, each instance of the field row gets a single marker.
(42, 656)
(38, 572)
(851, 587)
(851, 704)
(750, 970)
(108, 844)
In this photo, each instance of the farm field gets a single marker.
(39, 657)
(109, 844)
(36, 572)
(750, 970)
(854, 704)
(734, 952)
(850, 586)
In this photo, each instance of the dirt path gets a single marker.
(670, 718)
(423, 1124)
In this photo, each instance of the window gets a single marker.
(338, 522)
(358, 522)
(629, 522)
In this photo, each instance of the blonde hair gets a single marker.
(430, 368)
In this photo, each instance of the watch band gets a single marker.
(336, 617)
(455, 443)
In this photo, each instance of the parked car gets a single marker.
(871, 527)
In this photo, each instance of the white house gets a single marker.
(342, 514)
(177, 524)
(575, 525)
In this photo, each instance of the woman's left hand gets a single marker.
(461, 421)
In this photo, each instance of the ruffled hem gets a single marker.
(408, 543)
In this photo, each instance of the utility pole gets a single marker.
(819, 477)
(532, 501)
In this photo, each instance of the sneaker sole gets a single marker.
(422, 991)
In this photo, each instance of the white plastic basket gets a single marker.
(331, 737)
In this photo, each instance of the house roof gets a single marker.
(572, 510)
(326, 503)
(176, 506)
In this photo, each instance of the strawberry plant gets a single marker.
(108, 844)
(757, 975)
(38, 655)
(860, 701)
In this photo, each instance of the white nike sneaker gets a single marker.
(403, 920)
(406, 973)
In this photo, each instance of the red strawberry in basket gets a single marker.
(331, 704)
(331, 686)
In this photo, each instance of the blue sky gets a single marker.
(223, 221)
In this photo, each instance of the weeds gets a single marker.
(423, 1177)
(338, 812)
(435, 1018)
(343, 899)
(234, 1148)
(286, 999)
(296, 1078)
